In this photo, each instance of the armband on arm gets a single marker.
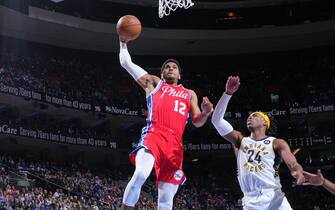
(125, 60)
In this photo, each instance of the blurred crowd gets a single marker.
(273, 81)
(73, 186)
(70, 79)
(56, 186)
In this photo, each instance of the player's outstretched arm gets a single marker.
(198, 117)
(222, 126)
(145, 80)
(281, 147)
(319, 180)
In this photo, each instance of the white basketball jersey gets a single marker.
(257, 165)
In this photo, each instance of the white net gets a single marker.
(166, 6)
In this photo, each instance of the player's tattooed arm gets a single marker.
(281, 147)
(148, 82)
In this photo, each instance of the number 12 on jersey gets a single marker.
(179, 107)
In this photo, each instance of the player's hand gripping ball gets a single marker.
(128, 28)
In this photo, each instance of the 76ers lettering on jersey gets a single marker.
(168, 106)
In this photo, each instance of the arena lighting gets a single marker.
(195, 160)
(231, 15)
(56, 1)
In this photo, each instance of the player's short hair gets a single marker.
(173, 61)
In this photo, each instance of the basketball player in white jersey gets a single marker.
(257, 157)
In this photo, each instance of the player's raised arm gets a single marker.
(222, 126)
(142, 77)
(282, 148)
(198, 117)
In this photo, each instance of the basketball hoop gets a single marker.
(166, 6)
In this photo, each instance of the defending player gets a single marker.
(257, 157)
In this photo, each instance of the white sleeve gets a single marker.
(221, 125)
(125, 60)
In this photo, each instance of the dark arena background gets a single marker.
(70, 114)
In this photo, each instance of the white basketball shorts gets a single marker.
(266, 199)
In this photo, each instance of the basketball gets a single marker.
(128, 28)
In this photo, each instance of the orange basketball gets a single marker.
(128, 28)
